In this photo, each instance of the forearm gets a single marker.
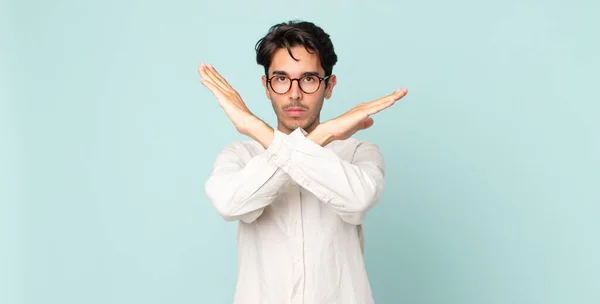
(320, 136)
(350, 188)
(241, 186)
(260, 132)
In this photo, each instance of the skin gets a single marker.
(339, 128)
(283, 64)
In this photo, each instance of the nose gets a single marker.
(295, 92)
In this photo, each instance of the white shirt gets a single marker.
(300, 208)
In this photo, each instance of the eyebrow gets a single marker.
(303, 74)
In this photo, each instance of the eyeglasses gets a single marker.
(309, 84)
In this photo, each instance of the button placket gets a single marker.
(298, 251)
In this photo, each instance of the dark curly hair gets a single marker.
(296, 33)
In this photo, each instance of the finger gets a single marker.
(385, 102)
(213, 88)
(399, 93)
(376, 108)
(212, 73)
(206, 74)
(211, 85)
(218, 76)
(221, 95)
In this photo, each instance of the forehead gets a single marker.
(306, 62)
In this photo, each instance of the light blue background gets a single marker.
(107, 137)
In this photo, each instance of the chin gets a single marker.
(292, 125)
(304, 125)
(295, 124)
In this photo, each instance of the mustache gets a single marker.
(295, 105)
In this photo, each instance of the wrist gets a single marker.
(261, 132)
(321, 136)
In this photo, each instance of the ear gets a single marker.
(331, 83)
(264, 83)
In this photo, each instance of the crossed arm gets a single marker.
(241, 191)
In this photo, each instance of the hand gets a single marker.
(228, 98)
(358, 118)
(245, 122)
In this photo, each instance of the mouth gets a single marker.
(295, 112)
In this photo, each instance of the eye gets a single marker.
(310, 78)
(280, 78)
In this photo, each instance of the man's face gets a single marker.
(296, 108)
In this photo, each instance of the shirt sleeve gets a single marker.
(240, 190)
(349, 188)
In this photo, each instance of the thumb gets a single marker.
(367, 123)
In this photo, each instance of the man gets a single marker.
(300, 192)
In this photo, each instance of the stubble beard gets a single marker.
(306, 124)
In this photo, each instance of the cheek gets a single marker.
(315, 103)
(277, 101)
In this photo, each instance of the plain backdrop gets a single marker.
(107, 137)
